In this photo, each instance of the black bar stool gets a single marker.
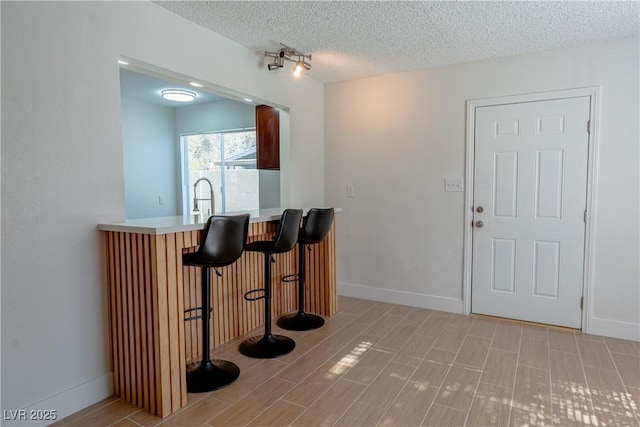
(222, 243)
(315, 227)
(269, 346)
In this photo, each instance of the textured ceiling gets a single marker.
(353, 39)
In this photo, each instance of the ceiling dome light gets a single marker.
(178, 95)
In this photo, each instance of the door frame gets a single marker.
(594, 102)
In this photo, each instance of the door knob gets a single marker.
(479, 209)
(479, 224)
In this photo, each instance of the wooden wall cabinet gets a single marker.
(267, 137)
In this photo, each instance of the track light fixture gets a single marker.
(290, 54)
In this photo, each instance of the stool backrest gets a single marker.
(316, 225)
(224, 238)
(288, 229)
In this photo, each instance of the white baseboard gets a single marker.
(614, 329)
(64, 403)
(395, 296)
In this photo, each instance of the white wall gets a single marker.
(396, 137)
(62, 174)
(151, 158)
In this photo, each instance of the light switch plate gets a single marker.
(453, 185)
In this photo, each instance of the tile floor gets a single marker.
(376, 364)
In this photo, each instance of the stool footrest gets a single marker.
(187, 319)
(290, 278)
(248, 295)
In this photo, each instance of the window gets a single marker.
(228, 160)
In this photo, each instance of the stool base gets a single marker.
(212, 375)
(267, 347)
(300, 322)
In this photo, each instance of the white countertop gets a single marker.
(177, 224)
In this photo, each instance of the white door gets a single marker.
(530, 181)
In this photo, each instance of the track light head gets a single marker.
(287, 53)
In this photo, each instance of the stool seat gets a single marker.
(269, 345)
(222, 243)
(315, 228)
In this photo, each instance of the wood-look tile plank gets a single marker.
(532, 392)
(397, 337)
(614, 419)
(106, 415)
(461, 321)
(314, 385)
(331, 405)
(372, 314)
(443, 416)
(507, 336)
(370, 366)
(622, 346)
(520, 418)
(279, 414)
(607, 392)
(89, 409)
(491, 406)
(441, 356)
(430, 373)
(500, 368)
(629, 368)
(410, 406)
(196, 414)
(384, 389)
(562, 341)
(434, 325)
(571, 405)
(536, 332)
(484, 328)
(534, 352)
(414, 350)
(566, 368)
(451, 338)
(243, 411)
(249, 380)
(633, 394)
(125, 422)
(458, 388)
(417, 316)
(360, 415)
(304, 366)
(382, 325)
(473, 352)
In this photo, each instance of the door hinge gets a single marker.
(585, 217)
(588, 126)
(581, 302)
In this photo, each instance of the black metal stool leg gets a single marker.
(210, 374)
(268, 346)
(300, 321)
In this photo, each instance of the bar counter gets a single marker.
(149, 290)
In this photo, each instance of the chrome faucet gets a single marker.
(211, 198)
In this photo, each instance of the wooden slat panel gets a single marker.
(137, 365)
(113, 307)
(163, 354)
